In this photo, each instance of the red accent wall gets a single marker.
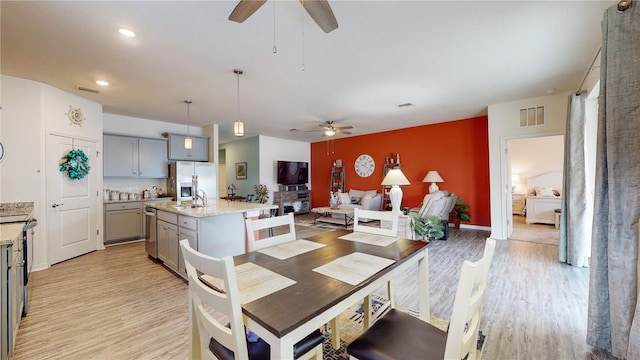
(458, 150)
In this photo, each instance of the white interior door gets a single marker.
(71, 204)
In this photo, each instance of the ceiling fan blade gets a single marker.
(315, 130)
(244, 9)
(343, 127)
(320, 11)
(340, 131)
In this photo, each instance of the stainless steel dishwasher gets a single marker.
(150, 237)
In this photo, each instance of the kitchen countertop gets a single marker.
(214, 208)
(16, 208)
(139, 200)
(10, 233)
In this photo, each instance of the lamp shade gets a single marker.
(395, 177)
(238, 128)
(432, 176)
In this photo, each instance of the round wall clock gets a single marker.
(364, 165)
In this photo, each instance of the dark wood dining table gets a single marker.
(284, 317)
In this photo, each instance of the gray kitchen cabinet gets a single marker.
(198, 152)
(152, 158)
(126, 156)
(123, 221)
(190, 235)
(11, 295)
(168, 244)
(120, 156)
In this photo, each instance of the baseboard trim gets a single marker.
(475, 227)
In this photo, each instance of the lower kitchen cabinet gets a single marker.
(170, 230)
(123, 221)
(190, 235)
(11, 296)
(167, 234)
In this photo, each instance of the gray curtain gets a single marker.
(614, 309)
(575, 222)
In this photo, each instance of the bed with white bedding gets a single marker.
(543, 198)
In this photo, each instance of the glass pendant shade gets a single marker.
(238, 128)
(238, 125)
(188, 143)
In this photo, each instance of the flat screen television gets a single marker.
(293, 172)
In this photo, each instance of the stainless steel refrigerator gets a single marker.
(181, 179)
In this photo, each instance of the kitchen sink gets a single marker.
(188, 206)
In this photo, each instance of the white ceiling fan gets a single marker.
(329, 130)
(319, 10)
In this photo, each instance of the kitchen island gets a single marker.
(216, 230)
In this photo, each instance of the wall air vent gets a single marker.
(533, 116)
(83, 88)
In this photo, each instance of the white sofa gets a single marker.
(367, 200)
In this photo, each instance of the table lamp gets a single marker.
(433, 177)
(394, 178)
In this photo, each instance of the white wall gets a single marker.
(29, 111)
(504, 125)
(531, 157)
(274, 149)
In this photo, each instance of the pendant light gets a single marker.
(188, 143)
(238, 125)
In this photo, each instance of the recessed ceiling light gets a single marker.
(127, 32)
(102, 82)
(550, 91)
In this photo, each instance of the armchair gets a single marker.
(438, 203)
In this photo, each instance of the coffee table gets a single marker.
(325, 214)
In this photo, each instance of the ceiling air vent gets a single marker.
(534, 116)
(84, 88)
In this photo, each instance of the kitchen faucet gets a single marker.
(203, 198)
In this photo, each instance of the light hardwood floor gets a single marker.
(119, 304)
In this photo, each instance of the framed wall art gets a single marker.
(241, 171)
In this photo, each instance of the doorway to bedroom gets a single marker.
(536, 173)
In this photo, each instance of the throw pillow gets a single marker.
(544, 191)
(367, 196)
(343, 198)
(356, 193)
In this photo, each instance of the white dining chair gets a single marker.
(211, 338)
(398, 335)
(358, 226)
(255, 225)
(381, 216)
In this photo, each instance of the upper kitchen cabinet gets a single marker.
(126, 156)
(199, 150)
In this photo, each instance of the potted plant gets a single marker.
(430, 228)
(459, 213)
(262, 194)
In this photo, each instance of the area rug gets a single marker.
(351, 324)
(309, 222)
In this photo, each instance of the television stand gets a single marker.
(289, 195)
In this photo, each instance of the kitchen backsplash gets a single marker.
(135, 185)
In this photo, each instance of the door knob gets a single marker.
(56, 205)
